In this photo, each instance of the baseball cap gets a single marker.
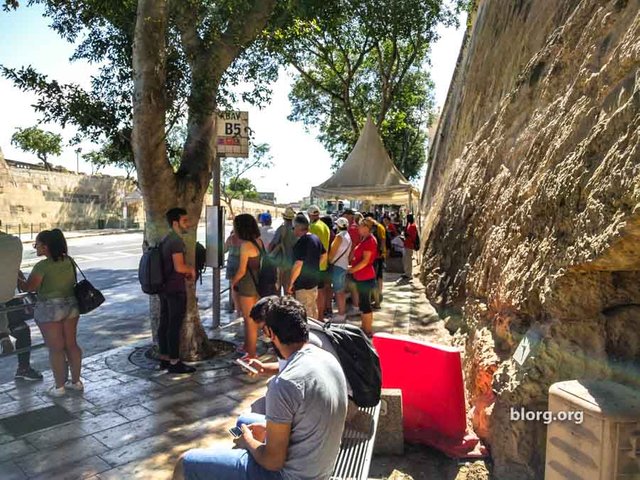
(342, 222)
(313, 210)
(289, 213)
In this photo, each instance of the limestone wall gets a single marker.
(49, 198)
(532, 205)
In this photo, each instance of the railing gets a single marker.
(28, 231)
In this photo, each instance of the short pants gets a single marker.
(55, 310)
(338, 278)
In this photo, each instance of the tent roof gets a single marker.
(368, 174)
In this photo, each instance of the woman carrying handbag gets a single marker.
(56, 312)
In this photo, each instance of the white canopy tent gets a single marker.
(368, 174)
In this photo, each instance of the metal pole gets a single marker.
(215, 298)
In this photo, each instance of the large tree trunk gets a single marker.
(161, 188)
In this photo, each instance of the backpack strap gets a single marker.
(341, 255)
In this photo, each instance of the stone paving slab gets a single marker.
(133, 423)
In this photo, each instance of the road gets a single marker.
(111, 264)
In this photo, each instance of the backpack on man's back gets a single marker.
(151, 270)
(358, 358)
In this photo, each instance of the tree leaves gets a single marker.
(369, 57)
(39, 142)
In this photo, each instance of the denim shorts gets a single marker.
(55, 310)
(338, 278)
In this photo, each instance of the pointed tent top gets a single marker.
(368, 173)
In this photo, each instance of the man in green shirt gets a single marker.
(320, 230)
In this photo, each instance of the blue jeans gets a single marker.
(225, 463)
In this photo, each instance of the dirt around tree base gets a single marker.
(423, 463)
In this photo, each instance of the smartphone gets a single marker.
(235, 432)
(246, 366)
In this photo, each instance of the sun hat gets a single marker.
(289, 213)
(342, 222)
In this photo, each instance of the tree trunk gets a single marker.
(160, 187)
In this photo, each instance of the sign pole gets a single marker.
(232, 140)
(215, 294)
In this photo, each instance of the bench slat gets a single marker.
(356, 450)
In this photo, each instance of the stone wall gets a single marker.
(31, 196)
(532, 209)
(45, 199)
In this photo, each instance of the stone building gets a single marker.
(32, 197)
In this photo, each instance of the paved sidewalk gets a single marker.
(132, 422)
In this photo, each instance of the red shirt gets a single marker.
(354, 233)
(369, 244)
(411, 235)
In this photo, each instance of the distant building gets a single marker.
(267, 197)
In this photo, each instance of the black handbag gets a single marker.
(89, 297)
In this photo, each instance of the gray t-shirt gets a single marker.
(174, 281)
(311, 395)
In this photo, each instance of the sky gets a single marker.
(26, 39)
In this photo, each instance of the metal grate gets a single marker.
(356, 451)
(35, 420)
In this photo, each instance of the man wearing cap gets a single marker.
(281, 248)
(320, 230)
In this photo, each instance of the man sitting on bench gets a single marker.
(306, 404)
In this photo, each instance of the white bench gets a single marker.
(356, 450)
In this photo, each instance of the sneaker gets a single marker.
(28, 374)
(180, 368)
(353, 311)
(56, 392)
(164, 364)
(7, 345)
(78, 386)
(337, 318)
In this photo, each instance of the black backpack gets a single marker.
(267, 275)
(358, 358)
(151, 270)
(201, 261)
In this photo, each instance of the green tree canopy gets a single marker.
(368, 57)
(37, 141)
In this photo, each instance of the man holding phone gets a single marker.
(306, 405)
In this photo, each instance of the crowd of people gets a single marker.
(318, 259)
(283, 282)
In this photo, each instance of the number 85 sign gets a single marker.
(232, 134)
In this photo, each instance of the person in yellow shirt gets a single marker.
(320, 230)
(380, 232)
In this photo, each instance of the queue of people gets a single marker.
(318, 260)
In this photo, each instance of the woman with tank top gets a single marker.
(245, 280)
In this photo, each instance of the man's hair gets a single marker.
(55, 243)
(369, 215)
(174, 214)
(259, 310)
(301, 221)
(246, 227)
(410, 218)
(287, 317)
